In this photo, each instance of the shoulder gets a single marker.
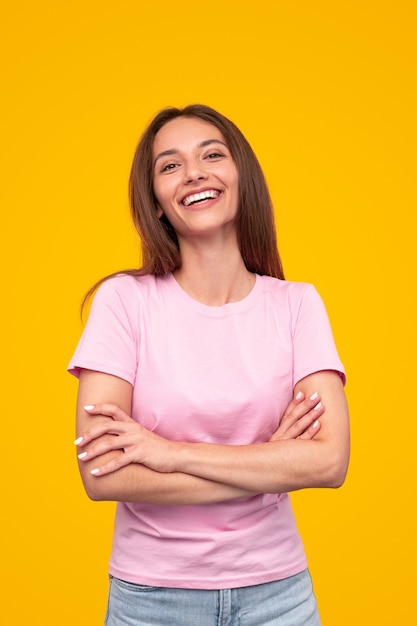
(125, 286)
(123, 295)
(296, 301)
(289, 291)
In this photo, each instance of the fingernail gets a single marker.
(298, 396)
(78, 441)
(317, 406)
(315, 424)
(314, 396)
(82, 455)
(89, 407)
(95, 471)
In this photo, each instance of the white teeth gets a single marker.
(197, 197)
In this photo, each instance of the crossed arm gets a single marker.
(120, 460)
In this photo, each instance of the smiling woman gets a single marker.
(209, 388)
(196, 181)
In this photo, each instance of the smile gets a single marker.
(210, 194)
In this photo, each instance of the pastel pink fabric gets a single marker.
(207, 374)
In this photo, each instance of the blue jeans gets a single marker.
(288, 602)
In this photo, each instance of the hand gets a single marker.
(138, 444)
(300, 419)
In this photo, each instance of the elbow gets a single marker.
(336, 471)
(98, 488)
(95, 488)
(95, 495)
(337, 480)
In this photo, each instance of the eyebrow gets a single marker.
(203, 144)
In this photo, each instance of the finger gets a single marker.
(293, 428)
(112, 466)
(109, 410)
(293, 404)
(311, 431)
(299, 406)
(98, 430)
(299, 397)
(293, 418)
(107, 444)
(308, 420)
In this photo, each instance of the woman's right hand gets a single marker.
(300, 419)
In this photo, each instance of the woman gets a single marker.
(209, 387)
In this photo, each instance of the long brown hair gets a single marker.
(255, 224)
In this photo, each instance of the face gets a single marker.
(195, 179)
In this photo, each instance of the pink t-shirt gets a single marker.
(207, 374)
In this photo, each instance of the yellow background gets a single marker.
(325, 92)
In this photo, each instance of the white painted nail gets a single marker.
(78, 441)
(316, 408)
(298, 396)
(82, 455)
(89, 407)
(95, 471)
(314, 396)
(315, 424)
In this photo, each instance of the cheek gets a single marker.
(163, 191)
(163, 197)
(158, 193)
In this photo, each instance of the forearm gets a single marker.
(274, 467)
(137, 483)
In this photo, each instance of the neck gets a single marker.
(214, 275)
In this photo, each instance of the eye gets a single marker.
(214, 155)
(168, 167)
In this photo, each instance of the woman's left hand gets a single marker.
(138, 444)
(300, 419)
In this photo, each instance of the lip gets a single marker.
(201, 190)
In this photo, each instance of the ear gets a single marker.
(159, 212)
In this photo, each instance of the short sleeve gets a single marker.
(313, 342)
(109, 343)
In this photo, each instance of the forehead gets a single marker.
(185, 132)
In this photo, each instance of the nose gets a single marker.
(193, 171)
